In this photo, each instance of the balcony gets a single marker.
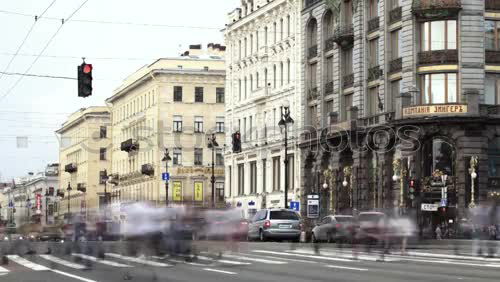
(374, 73)
(259, 94)
(313, 93)
(395, 15)
(376, 119)
(348, 81)
(312, 52)
(489, 110)
(71, 168)
(129, 145)
(147, 169)
(329, 44)
(492, 5)
(436, 9)
(329, 88)
(373, 24)
(396, 65)
(309, 3)
(492, 57)
(344, 36)
(439, 57)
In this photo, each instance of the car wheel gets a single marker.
(262, 237)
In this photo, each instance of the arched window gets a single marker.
(282, 31)
(265, 78)
(288, 25)
(251, 83)
(439, 154)
(312, 33)
(281, 74)
(257, 80)
(328, 25)
(274, 76)
(288, 71)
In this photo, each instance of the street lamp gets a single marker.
(212, 144)
(47, 194)
(166, 158)
(284, 123)
(345, 183)
(473, 176)
(69, 202)
(28, 206)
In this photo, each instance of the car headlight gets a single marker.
(32, 237)
(20, 238)
(6, 238)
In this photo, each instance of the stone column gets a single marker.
(404, 100)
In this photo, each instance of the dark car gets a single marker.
(51, 233)
(371, 226)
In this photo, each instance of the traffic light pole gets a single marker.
(166, 183)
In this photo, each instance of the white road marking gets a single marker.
(255, 259)
(452, 256)
(3, 270)
(349, 256)
(94, 259)
(72, 276)
(138, 260)
(287, 259)
(302, 255)
(26, 263)
(63, 262)
(186, 262)
(224, 261)
(346, 267)
(37, 267)
(219, 271)
(452, 262)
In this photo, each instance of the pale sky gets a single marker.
(36, 107)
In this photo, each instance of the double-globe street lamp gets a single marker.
(284, 123)
(212, 144)
(69, 201)
(166, 158)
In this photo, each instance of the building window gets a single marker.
(347, 61)
(219, 191)
(275, 33)
(276, 174)
(288, 71)
(494, 158)
(219, 158)
(177, 123)
(241, 179)
(313, 72)
(492, 89)
(102, 154)
(347, 106)
(103, 132)
(102, 177)
(396, 44)
(274, 76)
(492, 35)
(265, 35)
(264, 172)
(439, 88)
(373, 8)
(219, 125)
(177, 93)
(328, 110)
(177, 156)
(291, 172)
(198, 94)
(373, 53)
(373, 100)
(329, 71)
(439, 155)
(219, 94)
(198, 156)
(253, 177)
(439, 35)
(282, 71)
(396, 90)
(198, 124)
(239, 89)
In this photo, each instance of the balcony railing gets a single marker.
(396, 65)
(129, 145)
(395, 15)
(489, 110)
(313, 52)
(492, 5)
(70, 168)
(329, 44)
(147, 169)
(348, 80)
(492, 57)
(374, 73)
(376, 119)
(313, 93)
(438, 57)
(344, 36)
(329, 87)
(436, 9)
(373, 24)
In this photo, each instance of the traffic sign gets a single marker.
(429, 207)
(313, 206)
(165, 176)
(295, 206)
(443, 203)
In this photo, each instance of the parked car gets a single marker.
(333, 228)
(279, 224)
(51, 233)
(371, 225)
(224, 224)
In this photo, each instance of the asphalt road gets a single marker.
(246, 262)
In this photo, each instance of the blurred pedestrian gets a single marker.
(438, 233)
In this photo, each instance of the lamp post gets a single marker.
(212, 144)
(345, 183)
(473, 176)
(28, 206)
(47, 194)
(166, 158)
(399, 174)
(69, 200)
(284, 123)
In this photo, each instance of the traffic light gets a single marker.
(236, 142)
(84, 80)
(51, 191)
(411, 190)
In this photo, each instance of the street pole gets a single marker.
(69, 201)
(286, 167)
(166, 158)
(285, 121)
(46, 208)
(28, 209)
(212, 144)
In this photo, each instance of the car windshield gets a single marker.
(372, 217)
(284, 215)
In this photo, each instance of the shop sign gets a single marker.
(429, 207)
(177, 191)
(435, 110)
(198, 191)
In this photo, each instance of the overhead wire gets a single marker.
(25, 39)
(43, 50)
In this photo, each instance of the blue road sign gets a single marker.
(443, 203)
(165, 176)
(251, 203)
(11, 204)
(295, 206)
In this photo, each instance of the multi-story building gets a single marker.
(175, 104)
(403, 105)
(263, 64)
(84, 159)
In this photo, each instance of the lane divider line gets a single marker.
(103, 261)
(219, 271)
(346, 267)
(138, 260)
(63, 262)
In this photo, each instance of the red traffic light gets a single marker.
(412, 183)
(87, 68)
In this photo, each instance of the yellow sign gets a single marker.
(177, 191)
(435, 110)
(198, 191)
(199, 170)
